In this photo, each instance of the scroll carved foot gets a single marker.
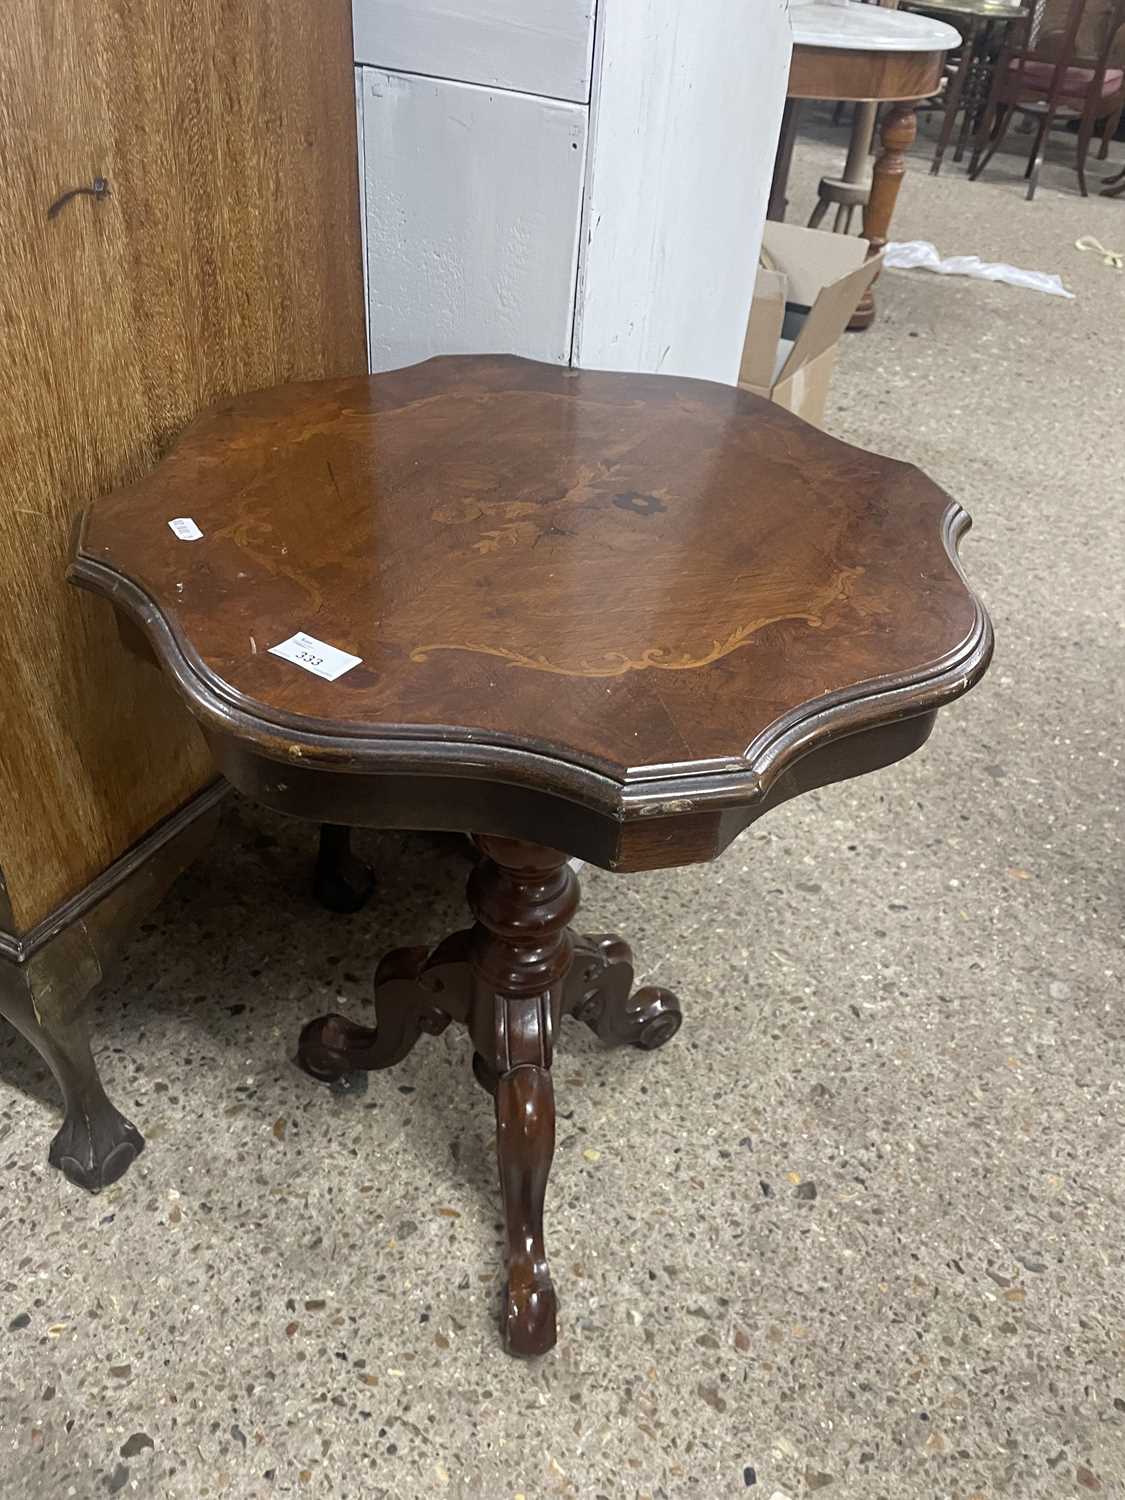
(599, 993)
(341, 880)
(416, 993)
(525, 1147)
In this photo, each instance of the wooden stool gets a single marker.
(852, 190)
(613, 616)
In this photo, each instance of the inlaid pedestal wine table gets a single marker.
(617, 617)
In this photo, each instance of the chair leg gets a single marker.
(1110, 130)
(989, 138)
(818, 213)
(1085, 132)
(955, 89)
(1036, 164)
(1034, 156)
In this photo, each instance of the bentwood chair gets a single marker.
(1054, 80)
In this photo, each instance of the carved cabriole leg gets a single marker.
(44, 995)
(523, 898)
(896, 135)
(96, 1143)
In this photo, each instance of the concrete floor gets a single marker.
(294, 1293)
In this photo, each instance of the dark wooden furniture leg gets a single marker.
(896, 135)
(48, 975)
(416, 993)
(956, 91)
(1112, 121)
(96, 1143)
(341, 880)
(510, 978)
(1085, 135)
(775, 208)
(599, 992)
(975, 97)
(523, 898)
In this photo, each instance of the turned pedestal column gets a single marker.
(509, 978)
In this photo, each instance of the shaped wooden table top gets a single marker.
(649, 596)
(617, 616)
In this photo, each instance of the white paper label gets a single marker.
(186, 529)
(316, 656)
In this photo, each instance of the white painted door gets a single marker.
(533, 46)
(472, 203)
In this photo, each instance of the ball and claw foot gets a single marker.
(342, 882)
(95, 1149)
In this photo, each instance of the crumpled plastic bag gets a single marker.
(905, 255)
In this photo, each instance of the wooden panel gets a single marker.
(473, 199)
(686, 109)
(836, 73)
(539, 48)
(225, 258)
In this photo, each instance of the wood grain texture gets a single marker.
(584, 585)
(839, 73)
(225, 257)
(896, 135)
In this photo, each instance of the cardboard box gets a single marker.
(799, 312)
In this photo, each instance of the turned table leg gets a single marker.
(783, 157)
(896, 135)
(341, 880)
(523, 898)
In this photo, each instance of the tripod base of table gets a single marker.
(509, 979)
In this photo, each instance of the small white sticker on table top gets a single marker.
(316, 656)
(186, 529)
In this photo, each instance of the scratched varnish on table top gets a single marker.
(626, 570)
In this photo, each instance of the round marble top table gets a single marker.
(1002, 10)
(867, 28)
(864, 53)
